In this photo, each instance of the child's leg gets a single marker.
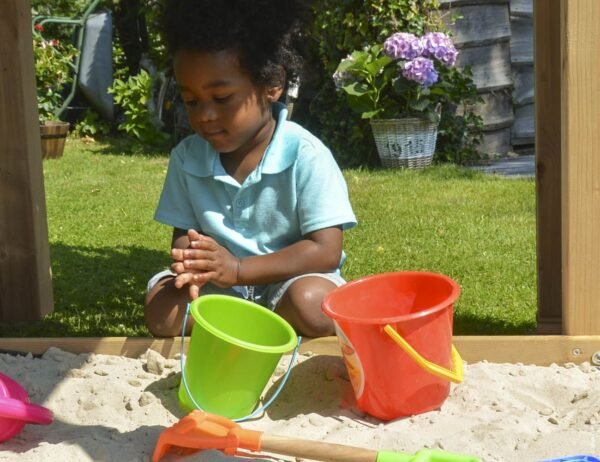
(300, 305)
(165, 307)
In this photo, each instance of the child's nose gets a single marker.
(205, 112)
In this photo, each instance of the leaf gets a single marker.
(377, 66)
(419, 105)
(370, 114)
(356, 89)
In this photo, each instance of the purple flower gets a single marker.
(403, 45)
(439, 46)
(420, 70)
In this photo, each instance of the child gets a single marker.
(257, 203)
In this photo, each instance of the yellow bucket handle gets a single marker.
(456, 375)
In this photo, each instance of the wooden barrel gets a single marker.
(53, 136)
(482, 33)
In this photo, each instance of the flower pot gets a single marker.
(408, 142)
(53, 135)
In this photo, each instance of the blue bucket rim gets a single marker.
(279, 349)
(391, 319)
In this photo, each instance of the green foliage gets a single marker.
(365, 77)
(157, 49)
(460, 130)
(340, 27)
(132, 96)
(53, 72)
(61, 8)
(91, 125)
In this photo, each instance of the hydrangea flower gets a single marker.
(343, 78)
(391, 79)
(420, 70)
(439, 46)
(403, 45)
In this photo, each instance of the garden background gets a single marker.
(101, 194)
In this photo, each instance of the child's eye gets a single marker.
(190, 102)
(222, 99)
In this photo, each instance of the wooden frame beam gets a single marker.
(546, 20)
(25, 281)
(580, 147)
(539, 349)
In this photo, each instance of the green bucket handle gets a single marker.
(259, 409)
(455, 375)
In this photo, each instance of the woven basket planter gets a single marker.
(408, 142)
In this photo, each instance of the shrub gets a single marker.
(132, 96)
(52, 72)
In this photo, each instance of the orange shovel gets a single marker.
(200, 430)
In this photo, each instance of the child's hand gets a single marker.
(204, 261)
(184, 277)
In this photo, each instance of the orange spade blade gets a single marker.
(201, 430)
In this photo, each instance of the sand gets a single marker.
(111, 408)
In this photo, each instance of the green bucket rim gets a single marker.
(290, 345)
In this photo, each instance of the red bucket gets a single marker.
(395, 332)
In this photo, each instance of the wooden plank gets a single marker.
(453, 3)
(478, 25)
(496, 110)
(523, 78)
(25, 281)
(521, 8)
(131, 347)
(490, 65)
(547, 74)
(580, 41)
(521, 40)
(542, 350)
(495, 143)
(523, 131)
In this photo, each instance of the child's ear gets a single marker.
(274, 93)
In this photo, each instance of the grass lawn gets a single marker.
(477, 229)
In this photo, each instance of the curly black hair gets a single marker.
(264, 33)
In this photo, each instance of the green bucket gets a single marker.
(234, 349)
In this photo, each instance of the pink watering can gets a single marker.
(16, 410)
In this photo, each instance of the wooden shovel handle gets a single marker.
(316, 450)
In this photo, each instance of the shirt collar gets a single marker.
(281, 151)
(279, 155)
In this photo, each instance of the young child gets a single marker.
(257, 203)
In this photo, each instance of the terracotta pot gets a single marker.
(53, 135)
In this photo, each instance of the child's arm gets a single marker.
(206, 260)
(319, 252)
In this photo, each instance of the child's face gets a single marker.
(224, 106)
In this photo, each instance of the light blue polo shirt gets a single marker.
(296, 188)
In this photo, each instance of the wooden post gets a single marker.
(548, 164)
(25, 280)
(580, 98)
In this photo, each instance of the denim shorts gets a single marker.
(267, 295)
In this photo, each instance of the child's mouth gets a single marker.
(213, 134)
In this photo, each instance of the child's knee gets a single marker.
(164, 309)
(305, 298)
